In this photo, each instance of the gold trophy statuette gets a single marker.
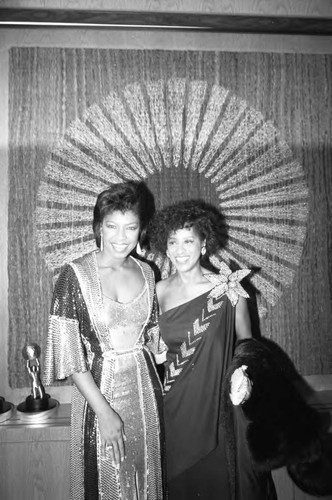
(38, 401)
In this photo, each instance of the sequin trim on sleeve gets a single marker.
(64, 353)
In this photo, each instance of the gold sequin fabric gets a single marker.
(114, 341)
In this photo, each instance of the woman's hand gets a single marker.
(110, 424)
(112, 436)
(241, 386)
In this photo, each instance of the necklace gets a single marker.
(115, 268)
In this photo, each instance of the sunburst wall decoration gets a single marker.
(193, 125)
(170, 125)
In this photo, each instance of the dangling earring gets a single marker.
(139, 250)
(203, 251)
(101, 242)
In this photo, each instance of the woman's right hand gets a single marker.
(241, 386)
(112, 436)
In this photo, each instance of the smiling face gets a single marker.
(184, 248)
(120, 233)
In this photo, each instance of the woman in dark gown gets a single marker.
(202, 313)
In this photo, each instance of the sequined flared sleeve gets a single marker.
(65, 352)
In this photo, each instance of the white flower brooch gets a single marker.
(227, 282)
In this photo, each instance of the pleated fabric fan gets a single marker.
(193, 125)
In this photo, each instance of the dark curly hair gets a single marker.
(124, 196)
(208, 221)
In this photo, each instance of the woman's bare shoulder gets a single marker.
(163, 285)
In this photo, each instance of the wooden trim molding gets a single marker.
(71, 18)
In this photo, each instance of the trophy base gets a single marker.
(37, 410)
(32, 405)
(6, 409)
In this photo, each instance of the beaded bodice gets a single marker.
(125, 320)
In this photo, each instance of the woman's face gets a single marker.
(120, 233)
(184, 248)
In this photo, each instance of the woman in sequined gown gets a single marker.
(102, 331)
(201, 315)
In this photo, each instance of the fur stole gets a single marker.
(283, 430)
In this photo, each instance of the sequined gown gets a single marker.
(200, 337)
(119, 357)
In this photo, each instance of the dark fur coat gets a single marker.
(283, 429)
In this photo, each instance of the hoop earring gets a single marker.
(203, 251)
(101, 242)
(139, 250)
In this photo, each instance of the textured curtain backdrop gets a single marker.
(249, 132)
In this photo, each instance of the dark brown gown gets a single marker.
(200, 336)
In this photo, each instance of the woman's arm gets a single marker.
(159, 292)
(242, 320)
(240, 383)
(110, 424)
